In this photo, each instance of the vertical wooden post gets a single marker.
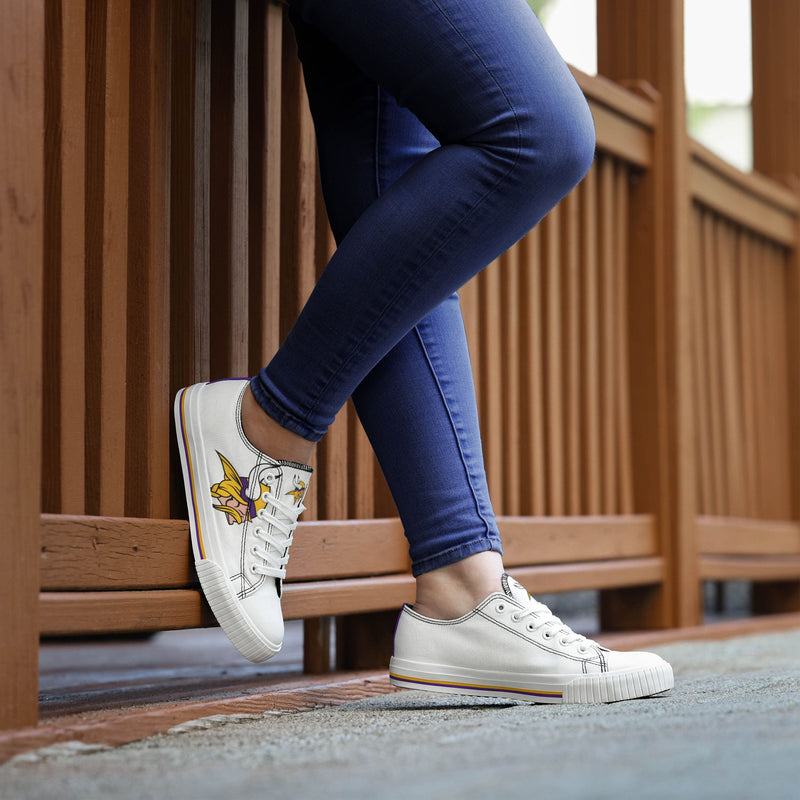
(643, 42)
(21, 230)
(776, 116)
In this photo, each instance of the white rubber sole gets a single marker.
(216, 586)
(607, 687)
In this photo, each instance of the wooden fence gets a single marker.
(181, 189)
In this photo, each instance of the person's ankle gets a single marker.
(452, 591)
(266, 435)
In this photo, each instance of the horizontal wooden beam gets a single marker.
(602, 91)
(624, 121)
(750, 568)
(75, 613)
(740, 536)
(81, 553)
(591, 575)
(557, 540)
(757, 203)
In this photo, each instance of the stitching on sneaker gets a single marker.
(530, 641)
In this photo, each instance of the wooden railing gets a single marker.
(744, 241)
(184, 228)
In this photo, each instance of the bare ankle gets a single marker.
(454, 590)
(269, 437)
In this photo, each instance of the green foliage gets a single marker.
(540, 8)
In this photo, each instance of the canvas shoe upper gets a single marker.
(243, 509)
(510, 645)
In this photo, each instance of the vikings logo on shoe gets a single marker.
(232, 497)
(233, 493)
(299, 491)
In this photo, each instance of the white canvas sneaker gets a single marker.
(243, 509)
(513, 646)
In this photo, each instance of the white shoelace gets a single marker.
(543, 617)
(276, 533)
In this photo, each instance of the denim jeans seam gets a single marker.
(402, 290)
(377, 151)
(492, 76)
(354, 350)
(442, 394)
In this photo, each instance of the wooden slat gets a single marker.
(22, 125)
(761, 388)
(711, 274)
(298, 189)
(532, 429)
(752, 568)
(706, 490)
(624, 445)
(63, 488)
(554, 399)
(729, 365)
(780, 349)
(745, 343)
(739, 536)
(751, 201)
(361, 472)
(570, 315)
(264, 134)
(147, 448)
(590, 416)
(229, 197)
(606, 335)
(510, 413)
(190, 147)
(108, 85)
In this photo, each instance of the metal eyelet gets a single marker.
(500, 608)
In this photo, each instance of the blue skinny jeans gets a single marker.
(446, 129)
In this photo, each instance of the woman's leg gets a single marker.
(516, 136)
(417, 404)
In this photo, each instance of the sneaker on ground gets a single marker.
(243, 509)
(513, 646)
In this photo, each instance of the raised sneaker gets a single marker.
(243, 510)
(513, 646)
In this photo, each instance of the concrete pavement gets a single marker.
(730, 729)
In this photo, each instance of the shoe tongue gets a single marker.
(515, 590)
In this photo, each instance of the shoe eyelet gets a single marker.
(253, 569)
(515, 617)
(547, 635)
(253, 549)
(562, 641)
(530, 626)
(500, 608)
